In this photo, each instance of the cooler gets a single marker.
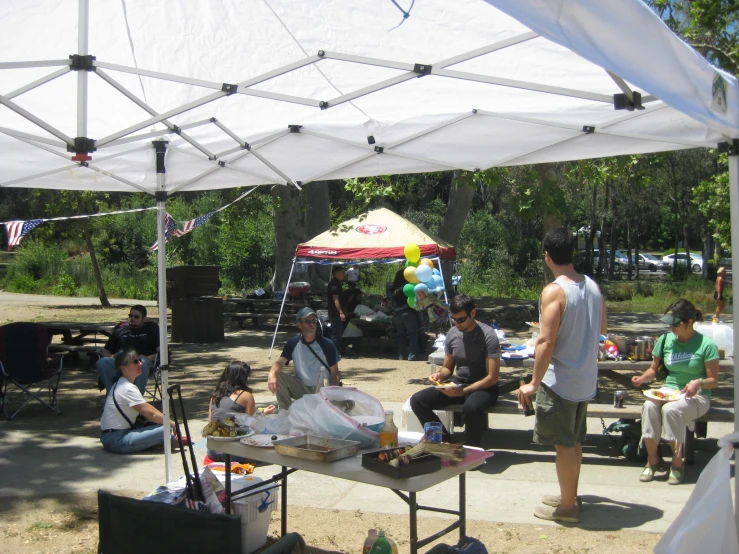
(255, 510)
(298, 289)
(410, 421)
(722, 335)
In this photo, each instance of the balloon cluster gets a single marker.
(421, 274)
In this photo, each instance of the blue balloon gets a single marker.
(437, 272)
(423, 273)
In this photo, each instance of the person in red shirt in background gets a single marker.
(718, 296)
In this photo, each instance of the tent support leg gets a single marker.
(82, 47)
(441, 273)
(282, 308)
(734, 200)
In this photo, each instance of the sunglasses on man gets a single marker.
(134, 316)
(460, 320)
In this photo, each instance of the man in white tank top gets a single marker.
(572, 315)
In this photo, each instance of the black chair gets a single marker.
(25, 365)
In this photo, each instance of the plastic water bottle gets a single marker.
(381, 546)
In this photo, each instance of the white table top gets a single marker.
(350, 468)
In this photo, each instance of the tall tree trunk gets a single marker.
(612, 252)
(602, 238)
(95, 267)
(548, 174)
(296, 217)
(593, 223)
(458, 206)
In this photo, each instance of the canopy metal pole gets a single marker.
(441, 274)
(282, 307)
(82, 46)
(734, 199)
(161, 197)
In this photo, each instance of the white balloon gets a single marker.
(424, 273)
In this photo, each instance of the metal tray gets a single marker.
(319, 449)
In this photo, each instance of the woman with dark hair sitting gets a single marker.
(691, 360)
(119, 431)
(232, 396)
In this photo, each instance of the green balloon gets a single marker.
(411, 264)
(412, 302)
(409, 290)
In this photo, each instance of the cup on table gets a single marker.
(433, 430)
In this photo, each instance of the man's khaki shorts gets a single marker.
(559, 422)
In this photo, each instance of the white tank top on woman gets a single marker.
(573, 373)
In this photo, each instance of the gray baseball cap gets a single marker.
(303, 313)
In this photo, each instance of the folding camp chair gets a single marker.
(25, 364)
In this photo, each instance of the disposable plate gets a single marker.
(249, 433)
(262, 441)
(672, 394)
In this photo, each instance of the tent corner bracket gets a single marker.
(160, 196)
(82, 63)
(588, 129)
(622, 102)
(294, 128)
(730, 147)
(379, 149)
(229, 88)
(82, 147)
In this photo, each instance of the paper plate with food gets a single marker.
(514, 355)
(448, 385)
(665, 394)
(225, 430)
(263, 441)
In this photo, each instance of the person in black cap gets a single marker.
(336, 315)
(691, 360)
(314, 359)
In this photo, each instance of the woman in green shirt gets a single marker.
(691, 360)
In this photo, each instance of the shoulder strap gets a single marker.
(324, 364)
(112, 393)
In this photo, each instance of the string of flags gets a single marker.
(18, 229)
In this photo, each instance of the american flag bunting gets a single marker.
(170, 228)
(194, 224)
(19, 229)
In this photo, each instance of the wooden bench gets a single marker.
(607, 411)
(75, 349)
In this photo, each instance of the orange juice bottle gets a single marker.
(389, 432)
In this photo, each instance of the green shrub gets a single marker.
(65, 286)
(22, 283)
(40, 261)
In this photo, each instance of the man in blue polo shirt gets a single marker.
(314, 357)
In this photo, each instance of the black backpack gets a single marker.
(631, 446)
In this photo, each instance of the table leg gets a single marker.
(284, 501)
(462, 507)
(227, 467)
(413, 505)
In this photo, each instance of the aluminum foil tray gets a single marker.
(319, 449)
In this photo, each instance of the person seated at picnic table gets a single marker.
(232, 396)
(474, 350)
(314, 357)
(119, 431)
(691, 360)
(142, 336)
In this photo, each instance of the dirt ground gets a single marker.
(69, 524)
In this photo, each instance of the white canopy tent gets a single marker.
(249, 92)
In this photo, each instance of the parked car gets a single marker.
(696, 261)
(650, 262)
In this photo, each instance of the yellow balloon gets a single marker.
(410, 275)
(412, 252)
(427, 262)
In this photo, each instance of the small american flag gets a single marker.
(170, 228)
(19, 229)
(194, 224)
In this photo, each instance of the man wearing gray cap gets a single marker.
(314, 358)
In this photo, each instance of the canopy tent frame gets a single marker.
(572, 24)
(304, 261)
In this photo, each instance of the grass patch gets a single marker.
(41, 526)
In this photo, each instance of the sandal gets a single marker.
(676, 476)
(647, 474)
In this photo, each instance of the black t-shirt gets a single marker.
(144, 339)
(333, 289)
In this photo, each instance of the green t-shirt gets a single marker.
(685, 361)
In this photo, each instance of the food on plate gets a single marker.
(666, 395)
(225, 428)
(447, 385)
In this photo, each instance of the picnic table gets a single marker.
(78, 333)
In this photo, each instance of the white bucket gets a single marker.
(722, 335)
(255, 510)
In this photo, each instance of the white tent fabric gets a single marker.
(466, 84)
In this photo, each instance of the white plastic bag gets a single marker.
(314, 414)
(706, 523)
(266, 424)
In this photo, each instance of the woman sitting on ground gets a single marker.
(691, 360)
(119, 431)
(232, 396)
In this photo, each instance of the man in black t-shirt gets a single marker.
(336, 315)
(142, 336)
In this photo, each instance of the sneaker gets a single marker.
(647, 474)
(550, 513)
(555, 500)
(677, 476)
(412, 357)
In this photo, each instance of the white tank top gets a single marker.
(573, 373)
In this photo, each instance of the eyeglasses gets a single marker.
(134, 316)
(311, 321)
(460, 320)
